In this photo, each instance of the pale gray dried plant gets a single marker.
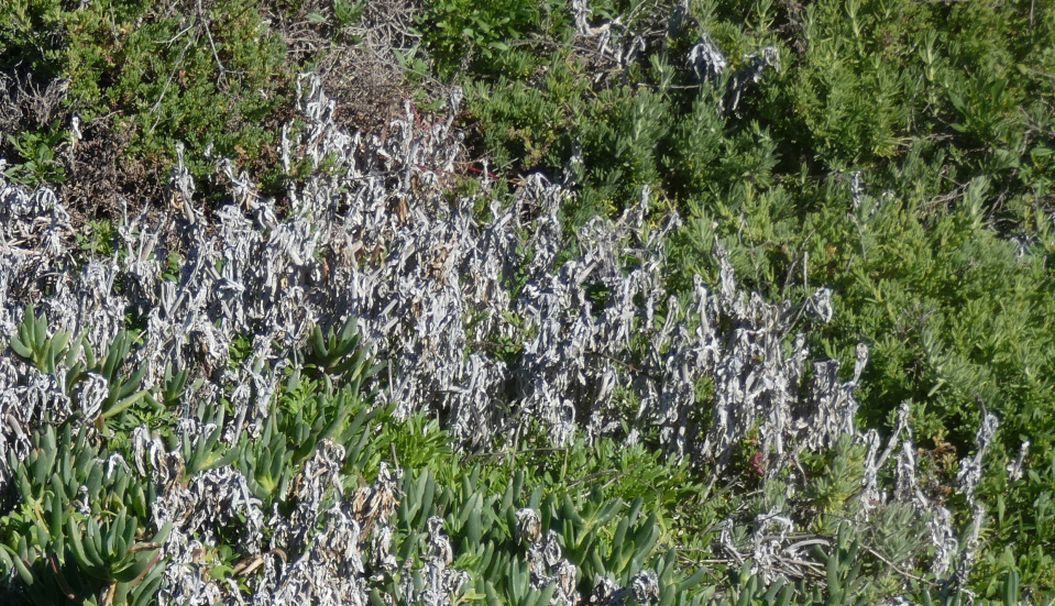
(643, 589)
(706, 60)
(612, 44)
(709, 65)
(440, 584)
(548, 566)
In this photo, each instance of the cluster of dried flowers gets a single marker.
(491, 323)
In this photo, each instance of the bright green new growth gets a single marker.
(80, 529)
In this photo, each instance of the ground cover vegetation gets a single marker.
(610, 302)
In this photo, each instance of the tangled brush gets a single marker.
(504, 324)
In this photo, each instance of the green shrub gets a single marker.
(157, 75)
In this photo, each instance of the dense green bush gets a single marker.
(145, 77)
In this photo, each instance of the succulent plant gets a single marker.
(81, 530)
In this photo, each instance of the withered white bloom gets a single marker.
(605, 593)
(210, 501)
(944, 540)
(645, 587)
(186, 579)
(319, 478)
(614, 41)
(113, 463)
(967, 479)
(970, 472)
(152, 460)
(1014, 468)
(706, 61)
(708, 65)
(908, 489)
(441, 583)
(29, 400)
(969, 552)
(857, 190)
(373, 507)
(381, 557)
(529, 526)
(581, 13)
(548, 566)
(871, 496)
(91, 393)
(750, 72)
(770, 544)
(328, 570)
